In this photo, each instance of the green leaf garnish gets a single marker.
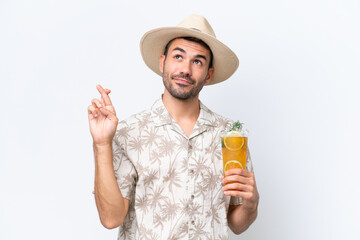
(237, 126)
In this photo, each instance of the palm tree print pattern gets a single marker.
(172, 181)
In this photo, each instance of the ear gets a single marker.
(210, 74)
(161, 62)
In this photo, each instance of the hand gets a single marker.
(102, 118)
(241, 183)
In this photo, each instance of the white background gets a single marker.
(297, 89)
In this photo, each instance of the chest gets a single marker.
(165, 156)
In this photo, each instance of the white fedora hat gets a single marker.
(152, 46)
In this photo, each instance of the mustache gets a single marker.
(184, 76)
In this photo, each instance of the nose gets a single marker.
(186, 68)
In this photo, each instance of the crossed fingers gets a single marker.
(104, 95)
(98, 106)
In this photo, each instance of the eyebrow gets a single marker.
(183, 51)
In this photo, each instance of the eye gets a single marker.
(197, 62)
(178, 57)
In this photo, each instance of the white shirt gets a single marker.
(173, 181)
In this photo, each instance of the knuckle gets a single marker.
(235, 193)
(251, 195)
(247, 196)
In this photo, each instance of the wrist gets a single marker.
(100, 147)
(103, 153)
(251, 206)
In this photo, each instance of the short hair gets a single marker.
(192, 39)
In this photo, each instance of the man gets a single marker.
(158, 174)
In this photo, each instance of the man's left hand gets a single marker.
(241, 183)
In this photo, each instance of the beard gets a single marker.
(181, 93)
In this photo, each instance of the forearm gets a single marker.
(241, 183)
(111, 205)
(240, 218)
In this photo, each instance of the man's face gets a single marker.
(185, 69)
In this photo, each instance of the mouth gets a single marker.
(183, 80)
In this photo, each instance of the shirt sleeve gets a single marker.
(124, 169)
(250, 168)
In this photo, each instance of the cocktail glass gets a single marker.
(234, 150)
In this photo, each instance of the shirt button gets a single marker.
(192, 196)
(193, 222)
(192, 171)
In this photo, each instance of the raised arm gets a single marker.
(111, 205)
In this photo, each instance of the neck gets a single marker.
(181, 109)
(184, 112)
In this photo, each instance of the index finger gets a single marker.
(104, 95)
(238, 171)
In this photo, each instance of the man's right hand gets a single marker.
(111, 205)
(102, 118)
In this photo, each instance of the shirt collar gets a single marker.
(206, 117)
(162, 117)
(160, 114)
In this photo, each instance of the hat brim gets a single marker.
(152, 46)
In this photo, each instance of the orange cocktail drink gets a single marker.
(234, 150)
